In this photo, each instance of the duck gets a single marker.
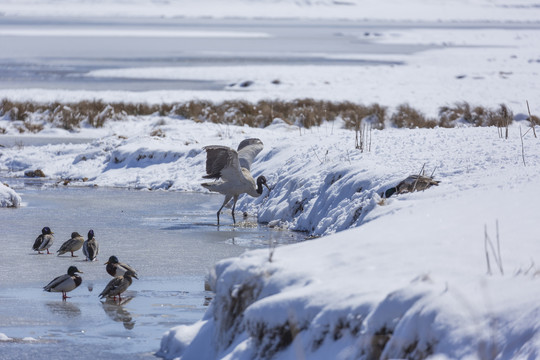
(117, 286)
(412, 183)
(75, 243)
(65, 283)
(116, 268)
(90, 247)
(44, 240)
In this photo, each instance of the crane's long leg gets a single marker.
(234, 205)
(227, 199)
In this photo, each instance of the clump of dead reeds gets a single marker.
(406, 116)
(450, 116)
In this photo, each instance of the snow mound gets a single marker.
(8, 197)
(410, 284)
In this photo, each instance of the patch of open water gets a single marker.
(170, 238)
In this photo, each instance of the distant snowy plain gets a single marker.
(448, 273)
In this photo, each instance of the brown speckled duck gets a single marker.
(412, 183)
(117, 286)
(75, 243)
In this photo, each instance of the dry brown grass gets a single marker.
(33, 128)
(302, 112)
(17, 110)
(357, 115)
(501, 117)
(408, 117)
(450, 116)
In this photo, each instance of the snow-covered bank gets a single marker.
(9, 197)
(412, 281)
(320, 183)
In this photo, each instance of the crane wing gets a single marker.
(221, 162)
(247, 150)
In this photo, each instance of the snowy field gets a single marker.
(447, 273)
(425, 53)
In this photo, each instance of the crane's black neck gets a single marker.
(260, 181)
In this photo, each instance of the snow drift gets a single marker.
(8, 197)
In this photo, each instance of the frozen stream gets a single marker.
(170, 238)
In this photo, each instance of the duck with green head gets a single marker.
(44, 240)
(116, 268)
(65, 283)
(90, 247)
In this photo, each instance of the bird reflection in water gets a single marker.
(63, 308)
(116, 311)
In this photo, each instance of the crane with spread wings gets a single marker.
(231, 170)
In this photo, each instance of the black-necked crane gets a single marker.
(231, 169)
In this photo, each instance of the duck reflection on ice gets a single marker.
(117, 312)
(64, 308)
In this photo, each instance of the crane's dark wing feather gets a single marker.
(218, 158)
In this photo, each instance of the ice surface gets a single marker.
(169, 238)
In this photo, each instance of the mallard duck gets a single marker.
(90, 247)
(65, 283)
(117, 286)
(44, 241)
(75, 243)
(116, 268)
(411, 184)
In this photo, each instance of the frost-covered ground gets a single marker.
(408, 277)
